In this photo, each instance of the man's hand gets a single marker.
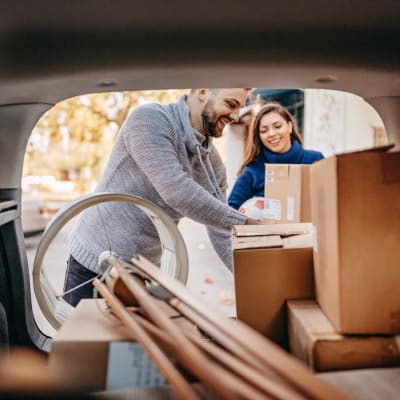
(252, 221)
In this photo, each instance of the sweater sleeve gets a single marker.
(242, 190)
(152, 142)
(221, 242)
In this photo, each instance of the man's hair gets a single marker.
(215, 90)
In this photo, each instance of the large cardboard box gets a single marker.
(356, 216)
(314, 340)
(272, 263)
(287, 193)
(94, 351)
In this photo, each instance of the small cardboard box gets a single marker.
(80, 347)
(314, 340)
(356, 216)
(287, 193)
(95, 351)
(272, 263)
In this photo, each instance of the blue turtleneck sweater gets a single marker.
(251, 182)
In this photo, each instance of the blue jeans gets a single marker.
(75, 275)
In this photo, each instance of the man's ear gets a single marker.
(203, 94)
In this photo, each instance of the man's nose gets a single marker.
(234, 115)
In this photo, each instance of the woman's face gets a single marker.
(275, 132)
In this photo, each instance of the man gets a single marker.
(165, 154)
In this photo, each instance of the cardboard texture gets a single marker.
(305, 200)
(80, 347)
(357, 235)
(313, 339)
(265, 278)
(258, 231)
(287, 192)
(366, 384)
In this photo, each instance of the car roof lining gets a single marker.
(53, 50)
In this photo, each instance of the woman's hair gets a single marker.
(253, 143)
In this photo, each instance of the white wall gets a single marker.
(361, 119)
(231, 148)
(337, 122)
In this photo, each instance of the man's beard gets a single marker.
(209, 126)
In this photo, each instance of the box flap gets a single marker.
(298, 241)
(272, 229)
(91, 322)
(253, 242)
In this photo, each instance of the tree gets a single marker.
(72, 141)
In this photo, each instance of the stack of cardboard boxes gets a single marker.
(274, 262)
(356, 255)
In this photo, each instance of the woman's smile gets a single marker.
(275, 132)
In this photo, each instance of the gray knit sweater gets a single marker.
(160, 157)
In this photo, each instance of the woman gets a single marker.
(273, 139)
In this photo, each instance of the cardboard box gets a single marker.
(80, 347)
(287, 193)
(356, 216)
(305, 199)
(314, 340)
(94, 351)
(267, 274)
